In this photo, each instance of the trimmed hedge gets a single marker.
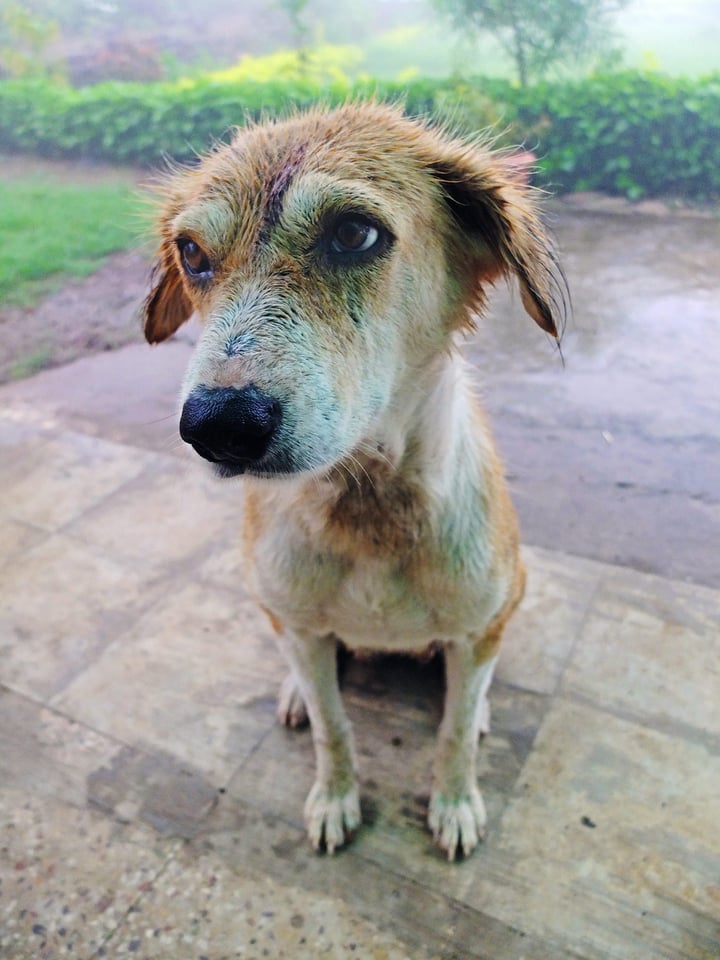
(630, 133)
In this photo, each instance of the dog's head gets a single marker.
(330, 258)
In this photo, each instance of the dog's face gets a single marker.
(330, 257)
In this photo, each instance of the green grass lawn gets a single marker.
(52, 228)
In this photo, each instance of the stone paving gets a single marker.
(151, 807)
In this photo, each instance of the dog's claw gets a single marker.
(457, 825)
(291, 709)
(331, 819)
(483, 717)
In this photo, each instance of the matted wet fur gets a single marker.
(333, 259)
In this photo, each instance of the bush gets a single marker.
(629, 133)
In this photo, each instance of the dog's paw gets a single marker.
(291, 709)
(457, 825)
(331, 819)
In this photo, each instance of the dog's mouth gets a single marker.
(254, 461)
(277, 466)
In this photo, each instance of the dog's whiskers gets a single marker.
(349, 477)
(368, 476)
(171, 443)
(375, 451)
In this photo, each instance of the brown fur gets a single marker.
(391, 526)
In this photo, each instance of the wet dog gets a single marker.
(333, 259)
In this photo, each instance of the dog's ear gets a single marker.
(167, 306)
(493, 208)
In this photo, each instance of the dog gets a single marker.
(334, 258)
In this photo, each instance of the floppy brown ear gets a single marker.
(167, 306)
(494, 210)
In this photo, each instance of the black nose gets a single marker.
(229, 426)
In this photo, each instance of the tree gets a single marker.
(295, 10)
(538, 34)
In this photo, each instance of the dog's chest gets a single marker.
(377, 582)
(369, 603)
(379, 605)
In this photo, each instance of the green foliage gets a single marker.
(628, 133)
(631, 133)
(24, 41)
(322, 65)
(49, 227)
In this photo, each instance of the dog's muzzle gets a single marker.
(230, 427)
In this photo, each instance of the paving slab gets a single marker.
(151, 807)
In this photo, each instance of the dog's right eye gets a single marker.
(194, 260)
(354, 237)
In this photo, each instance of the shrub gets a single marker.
(323, 64)
(630, 133)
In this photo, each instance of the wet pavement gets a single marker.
(616, 454)
(150, 807)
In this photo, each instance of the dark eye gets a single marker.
(354, 233)
(194, 260)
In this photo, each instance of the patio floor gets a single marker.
(151, 807)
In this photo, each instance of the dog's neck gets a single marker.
(388, 494)
(428, 423)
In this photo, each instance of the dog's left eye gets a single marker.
(354, 234)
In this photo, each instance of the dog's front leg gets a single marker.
(457, 812)
(332, 809)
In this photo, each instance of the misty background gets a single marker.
(89, 41)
